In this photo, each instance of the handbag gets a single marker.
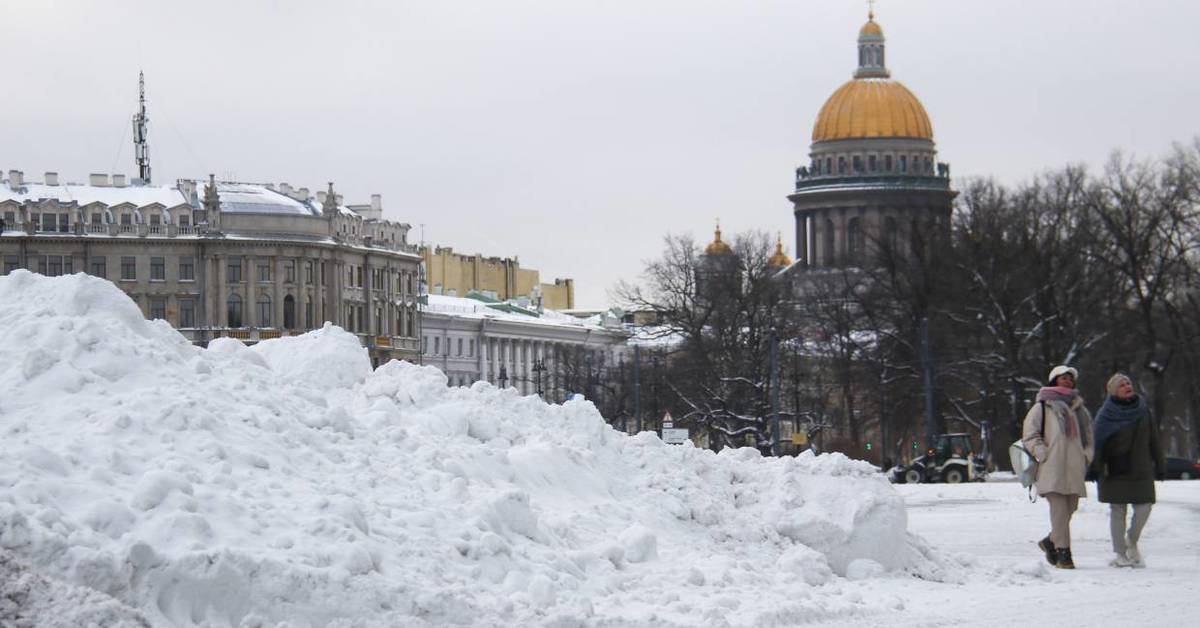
(1024, 465)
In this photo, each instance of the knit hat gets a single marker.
(1114, 383)
(1062, 370)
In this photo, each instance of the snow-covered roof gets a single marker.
(506, 310)
(254, 198)
(140, 195)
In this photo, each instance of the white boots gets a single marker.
(1133, 555)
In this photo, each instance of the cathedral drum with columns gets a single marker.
(873, 177)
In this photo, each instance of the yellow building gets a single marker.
(454, 274)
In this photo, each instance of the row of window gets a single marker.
(404, 281)
(448, 345)
(55, 265)
(873, 163)
(61, 221)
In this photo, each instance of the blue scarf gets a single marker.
(1114, 416)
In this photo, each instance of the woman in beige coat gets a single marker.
(1057, 431)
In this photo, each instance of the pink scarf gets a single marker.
(1069, 425)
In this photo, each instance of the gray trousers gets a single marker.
(1061, 509)
(1116, 524)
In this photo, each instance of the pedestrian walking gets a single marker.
(1058, 432)
(1128, 460)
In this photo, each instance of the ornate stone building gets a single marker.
(250, 261)
(873, 175)
(455, 274)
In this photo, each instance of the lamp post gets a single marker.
(539, 367)
(503, 377)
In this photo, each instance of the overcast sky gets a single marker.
(574, 134)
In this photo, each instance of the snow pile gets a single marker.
(286, 482)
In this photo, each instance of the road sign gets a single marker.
(675, 436)
(667, 422)
(800, 438)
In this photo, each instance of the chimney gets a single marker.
(338, 199)
(118, 180)
(321, 197)
(285, 189)
(98, 180)
(302, 194)
(51, 178)
(377, 202)
(14, 179)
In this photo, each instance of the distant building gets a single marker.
(503, 342)
(455, 274)
(244, 260)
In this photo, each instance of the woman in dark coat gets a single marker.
(1128, 460)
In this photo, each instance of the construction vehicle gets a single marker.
(951, 460)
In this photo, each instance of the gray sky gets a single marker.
(576, 133)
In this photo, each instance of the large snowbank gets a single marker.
(287, 482)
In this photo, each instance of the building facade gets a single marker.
(547, 353)
(243, 260)
(455, 274)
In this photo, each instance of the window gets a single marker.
(10, 219)
(350, 275)
(64, 223)
(854, 240)
(97, 219)
(410, 289)
(187, 313)
(437, 345)
(928, 165)
(858, 166)
(128, 269)
(158, 269)
(841, 165)
(308, 315)
(379, 322)
(184, 220)
(289, 312)
(155, 220)
(425, 344)
(126, 219)
(53, 265)
(187, 269)
(289, 271)
(233, 271)
(98, 267)
(11, 263)
(471, 348)
(158, 307)
(233, 311)
(48, 222)
(887, 163)
(264, 311)
(871, 163)
(828, 166)
(361, 325)
(903, 163)
(360, 277)
(408, 322)
(460, 346)
(264, 273)
(308, 273)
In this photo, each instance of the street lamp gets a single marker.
(503, 377)
(539, 367)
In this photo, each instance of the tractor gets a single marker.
(951, 460)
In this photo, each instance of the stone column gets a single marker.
(802, 239)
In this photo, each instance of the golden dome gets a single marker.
(872, 108)
(779, 259)
(871, 28)
(717, 247)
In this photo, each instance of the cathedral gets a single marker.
(872, 176)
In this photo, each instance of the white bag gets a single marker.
(1023, 464)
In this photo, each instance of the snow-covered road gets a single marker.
(992, 529)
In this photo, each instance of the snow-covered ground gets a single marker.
(144, 481)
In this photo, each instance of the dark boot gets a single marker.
(1046, 545)
(1064, 560)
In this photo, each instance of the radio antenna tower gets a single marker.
(141, 147)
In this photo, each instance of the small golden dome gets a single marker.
(717, 247)
(872, 108)
(871, 28)
(779, 259)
